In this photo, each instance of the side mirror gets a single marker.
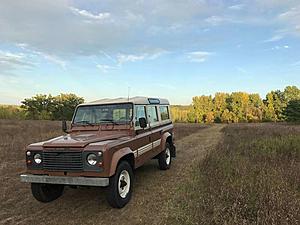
(64, 126)
(143, 122)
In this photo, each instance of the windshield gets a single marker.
(96, 114)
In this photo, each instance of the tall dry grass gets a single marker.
(15, 135)
(17, 206)
(12, 112)
(253, 177)
(184, 129)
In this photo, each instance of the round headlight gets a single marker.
(92, 159)
(37, 158)
(28, 153)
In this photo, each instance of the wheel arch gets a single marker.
(121, 154)
(168, 138)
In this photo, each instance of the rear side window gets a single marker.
(119, 114)
(152, 114)
(140, 112)
(164, 112)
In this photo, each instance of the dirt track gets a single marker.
(149, 204)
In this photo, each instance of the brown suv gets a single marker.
(107, 140)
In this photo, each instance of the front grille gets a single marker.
(62, 161)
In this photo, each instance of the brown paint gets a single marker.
(116, 157)
(115, 141)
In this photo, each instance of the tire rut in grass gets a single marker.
(155, 188)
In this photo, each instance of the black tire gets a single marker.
(164, 158)
(113, 195)
(46, 192)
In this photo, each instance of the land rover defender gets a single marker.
(107, 140)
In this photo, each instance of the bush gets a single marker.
(11, 112)
(45, 107)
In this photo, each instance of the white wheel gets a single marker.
(124, 183)
(168, 156)
(164, 158)
(120, 187)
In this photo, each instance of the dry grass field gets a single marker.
(251, 177)
(223, 174)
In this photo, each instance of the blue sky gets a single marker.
(173, 49)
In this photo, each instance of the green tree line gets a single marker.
(241, 107)
(221, 108)
(43, 107)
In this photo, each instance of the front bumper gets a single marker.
(82, 181)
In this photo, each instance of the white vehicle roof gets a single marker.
(134, 100)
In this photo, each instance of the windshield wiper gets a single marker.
(85, 122)
(109, 120)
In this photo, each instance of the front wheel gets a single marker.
(46, 192)
(120, 186)
(164, 158)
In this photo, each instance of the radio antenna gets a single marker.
(128, 93)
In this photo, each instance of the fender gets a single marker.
(116, 158)
(164, 140)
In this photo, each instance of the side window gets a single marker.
(152, 114)
(139, 113)
(164, 112)
(119, 115)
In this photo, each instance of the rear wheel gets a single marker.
(164, 158)
(120, 186)
(46, 192)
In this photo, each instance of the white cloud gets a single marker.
(54, 59)
(151, 55)
(10, 57)
(198, 56)
(65, 28)
(242, 70)
(215, 20)
(292, 14)
(289, 20)
(89, 15)
(236, 7)
(292, 20)
(58, 29)
(277, 47)
(273, 4)
(296, 63)
(10, 61)
(52, 28)
(108, 56)
(50, 58)
(156, 53)
(275, 38)
(105, 68)
(123, 58)
(22, 45)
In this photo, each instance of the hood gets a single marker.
(80, 140)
